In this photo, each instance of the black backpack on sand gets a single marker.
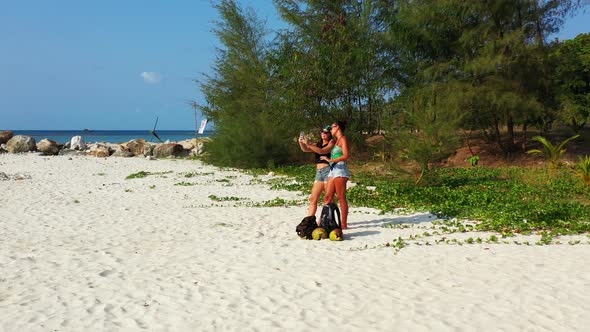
(328, 219)
(306, 227)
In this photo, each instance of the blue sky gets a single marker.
(115, 64)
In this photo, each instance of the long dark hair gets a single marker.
(341, 124)
(320, 142)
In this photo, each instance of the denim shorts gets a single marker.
(321, 175)
(339, 170)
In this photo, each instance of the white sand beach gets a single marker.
(84, 249)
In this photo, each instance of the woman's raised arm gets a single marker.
(319, 150)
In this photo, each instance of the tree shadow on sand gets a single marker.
(351, 235)
(413, 219)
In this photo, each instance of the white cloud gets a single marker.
(151, 77)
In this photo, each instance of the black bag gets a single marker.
(328, 219)
(306, 227)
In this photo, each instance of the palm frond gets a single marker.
(561, 146)
(551, 152)
(536, 151)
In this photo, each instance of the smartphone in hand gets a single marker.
(301, 135)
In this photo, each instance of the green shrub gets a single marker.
(552, 153)
(582, 169)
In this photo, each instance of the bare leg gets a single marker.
(340, 187)
(316, 191)
(329, 197)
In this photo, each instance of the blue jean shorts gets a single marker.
(321, 175)
(339, 170)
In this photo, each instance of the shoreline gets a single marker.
(79, 147)
(84, 248)
(112, 136)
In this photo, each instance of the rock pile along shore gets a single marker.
(78, 147)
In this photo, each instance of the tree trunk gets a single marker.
(510, 128)
(358, 106)
(370, 115)
(523, 137)
(497, 132)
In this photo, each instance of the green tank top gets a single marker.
(336, 152)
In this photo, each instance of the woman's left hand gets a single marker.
(325, 158)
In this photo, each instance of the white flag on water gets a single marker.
(202, 127)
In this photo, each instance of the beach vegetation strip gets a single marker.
(224, 198)
(194, 174)
(143, 174)
(504, 200)
(184, 184)
(456, 232)
(246, 202)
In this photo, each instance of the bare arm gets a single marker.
(303, 147)
(319, 150)
(344, 156)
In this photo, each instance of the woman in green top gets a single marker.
(339, 173)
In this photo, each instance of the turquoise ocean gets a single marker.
(112, 136)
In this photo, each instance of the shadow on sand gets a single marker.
(412, 219)
(351, 235)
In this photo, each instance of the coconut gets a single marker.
(336, 235)
(319, 233)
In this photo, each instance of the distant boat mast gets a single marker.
(153, 132)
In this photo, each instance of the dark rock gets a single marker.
(168, 150)
(5, 136)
